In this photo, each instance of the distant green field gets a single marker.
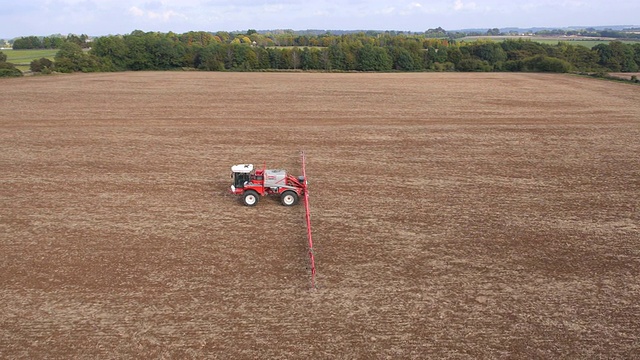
(585, 43)
(23, 58)
(590, 43)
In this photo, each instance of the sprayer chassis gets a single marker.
(252, 184)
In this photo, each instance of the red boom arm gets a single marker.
(308, 217)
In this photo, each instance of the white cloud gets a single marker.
(275, 8)
(163, 15)
(166, 15)
(321, 13)
(387, 10)
(573, 4)
(136, 11)
(458, 5)
(412, 8)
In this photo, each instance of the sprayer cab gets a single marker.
(252, 183)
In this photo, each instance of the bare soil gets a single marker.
(454, 215)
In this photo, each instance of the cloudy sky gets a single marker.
(103, 17)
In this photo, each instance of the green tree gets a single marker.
(546, 64)
(521, 49)
(137, 56)
(79, 40)
(580, 57)
(8, 69)
(408, 55)
(310, 59)
(490, 52)
(436, 33)
(615, 56)
(629, 63)
(244, 58)
(430, 56)
(514, 65)
(325, 59)
(295, 57)
(442, 54)
(52, 42)
(164, 53)
(41, 65)
(262, 57)
(275, 58)
(71, 58)
(402, 60)
(350, 51)
(113, 52)
(29, 42)
(210, 58)
(287, 58)
(473, 65)
(337, 58)
(374, 58)
(454, 56)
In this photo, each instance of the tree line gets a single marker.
(49, 42)
(364, 51)
(348, 52)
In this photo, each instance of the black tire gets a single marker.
(289, 198)
(250, 198)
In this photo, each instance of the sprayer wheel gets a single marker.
(289, 198)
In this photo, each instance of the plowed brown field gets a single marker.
(454, 215)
